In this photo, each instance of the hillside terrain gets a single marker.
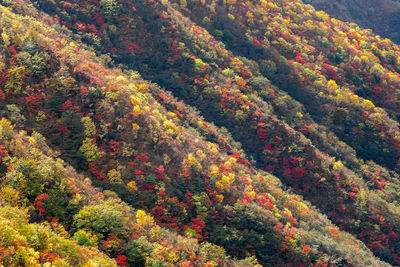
(196, 133)
(382, 16)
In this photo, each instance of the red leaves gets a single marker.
(247, 198)
(132, 48)
(121, 260)
(378, 90)
(255, 41)
(198, 224)
(98, 174)
(392, 236)
(262, 133)
(3, 153)
(138, 172)
(115, 147)
(178, 114)
(34, 101)
(330, 72)
(142, 157)
(67, 105)
(298, 173)
(83, 90)
(268, 147)
(306, 250)
(62, 129)
(287, 172)
(300, 59)
(12, 50)
(294, 160)
(48, 256)
(80, 27)
(39, 202)
(99, 19)
(163, 97)
(67, 4)
(189, 197)
(149, 186)
(160, 172)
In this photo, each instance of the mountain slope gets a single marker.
(381, 16)
(246, 124)
(158, 154)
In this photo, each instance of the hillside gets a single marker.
(210, 134)
(382, 16)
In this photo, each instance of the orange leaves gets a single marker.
(306, 249)
(334, 232)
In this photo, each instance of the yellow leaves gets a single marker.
(88, 125)
(355, 98)
(310, 22)
(191, 159)
(211, 264)
(169, 124)
(362, 198)
(228, 72)
(15, 79)
(183, 3)
(135, 126)
(322, 15)
(387, 41)
(332, 84)
(368, 104)
(6, 38)
(201, 155)
(143, 219)
(132, 186)
(338, 165)
(365, 59)
(114, 176)
(264, 3)
(232, 17)
(134, 100)
(212, 148)
(136, 109)
(220, 198)
(142, 87)
(272, 5)
(10, 195)
(252, 194)
(231, 2)
(72, 44)
(199, 65)
(6, 129)
(155, 232)
(214, 170)
(90, 150)
(172, 257)
(122, 79)
(224, 184)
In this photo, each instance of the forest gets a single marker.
(196, 133)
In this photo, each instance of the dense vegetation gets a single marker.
(382, 16)
(211, 133)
